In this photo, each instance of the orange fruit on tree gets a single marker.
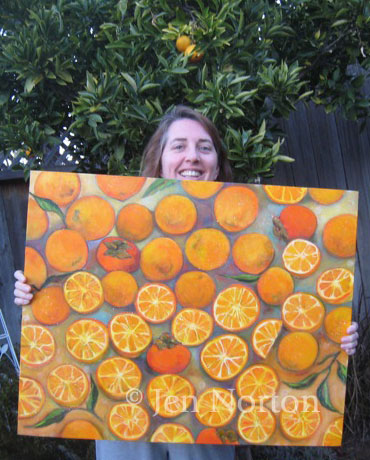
(333, 434)
(116, 376)
(37, 221)
(201, 189)
(223, 357)
(120, 288)
(253, 253)
(325, 195)
(236, 308)
(115, 253)
(92, 216)
(195, 289)
(298, 351)
(172, 432)
(257, 383)
(161, 259)
(275, 285)
(217, 436)
(337, 322)
(68, 385)
(155, 302)
(83, 292)
(128, 421)
(264, 336)
(119, 187)
(87, 340)
(302, 312)
(196, 56)
(339, 235)
(80, 429)
(192, 326)
(175, 214)
(285, 195)
(295, 221)
(31, 397)
(236, 208)
(207, 249)
(66, 250)
(256, 425)
(49, 306)
(215, 407)
(34, 267)
(167, 356)
(130, 334)
(182, 42)
(134, 222)
(60, 187)
(169, 395)
(37, 345)
(335, 285)
(300, 417)
(301, 258)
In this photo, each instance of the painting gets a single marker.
(186, 311)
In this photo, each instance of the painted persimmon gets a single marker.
(295, 221)
(120, 288)
(217, 436)
(49, 306)
(34, 267)
(175, 214)
(120, 187)
(167, 356)
(37, 221)
(60, 187)
(275, 285)
(195, 289)
(80, 429)
(298, 351)
(207, 249)
(66, 250)
(161, 259)
(339, 235)
(115, 253)
(134, 222)
(253, 253)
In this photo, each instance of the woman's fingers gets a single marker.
(19, 276)
(349, 342)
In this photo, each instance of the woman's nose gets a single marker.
(192, 153)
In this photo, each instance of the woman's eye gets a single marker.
(177, 147)
(207, 148)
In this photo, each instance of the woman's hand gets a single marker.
(22, 290)
(349, 342)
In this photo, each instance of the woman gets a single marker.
(186, 145)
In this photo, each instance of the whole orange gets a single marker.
(134, 222)
(34, 267)
(60, 187)
(339, 235)
(80, 429)
(161, 259)
(120, 187)
(196, 56)
(115, 253)
(66, 250)
(195, 289)
(253, 253)
(49, 306)
(182, 42)
(325, 195)
(120, 288)
(337, 322)
(295, 221)
(207, 248)
(275, 285)
(37, 221)
(298, 351)
(175, 214)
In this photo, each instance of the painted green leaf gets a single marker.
(324, 396)
(93, 398)
(56, 278)
(157, 185)
(243, 278)
(48, 205)
(342, 372)
(55, 416)
(308, 381)
(327, 357)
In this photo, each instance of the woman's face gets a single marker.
(189, 152)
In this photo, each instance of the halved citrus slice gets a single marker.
(116, 376)
(172, 432)
(37, 345)
(83, 292)
(224, 357)
(236, 308)
(215, 407)
(155, 302)
(300, 417)
(192, 326)
(333, 434)
(301, 258)
(130, 334)
(87, 340)
(302, 312)
(128, 421)
(335, 285)
(256, 424)
(257, 383)
(285, 195)
(264, 336)
(31, 397)
(68, 385)
(169, 394)
(337, 322)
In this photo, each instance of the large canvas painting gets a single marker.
(185, 311)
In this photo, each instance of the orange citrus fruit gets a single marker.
(87, 340)
(128, 421)
(60, 187)
(172, 432)
(92, 216)
(224, 357)
(80, 429)
(191, 326)
(49, 306)
(339, 235)
(120, 187)
(68, 385)
(169, 394)
(37, 221)
(301, 258)
(134, 222)
(161, 259)
(66, 250)
(300, 418)
(275, 285)
(215, 407)
(83, 292)
(335, 285)
(285, 195)
(31, 397)
(253, 253)
(325, 195)
(182, 42)
(175, 214)
(337, 322)
(264, 335)
(256, 425)
(195, 55)
(236, 308)
(298, 351)
(207, 249)
(130, 334)
(155, 302)
(116, 376)
(34, 267)
(37, 345)
(236, 208)
(302, 312)
(257, 383)
(195, 289)
(201, 189)
(120, 288)
(333, 434)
